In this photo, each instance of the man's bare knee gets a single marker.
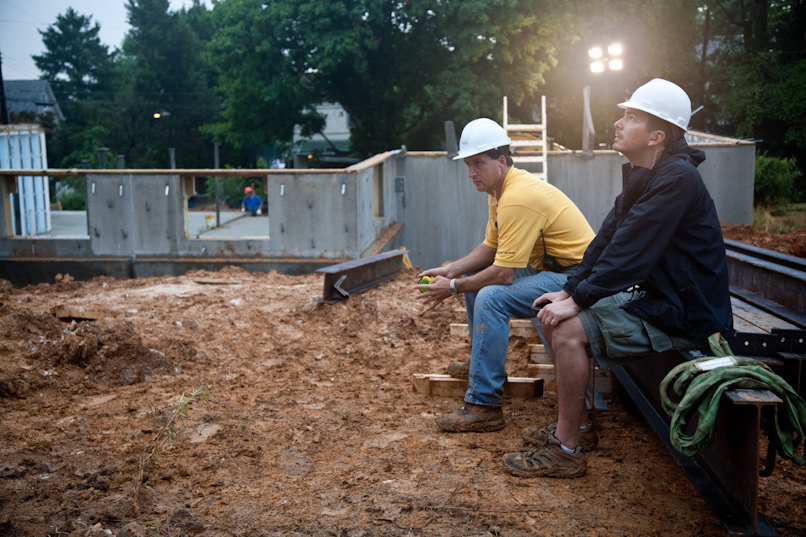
(569, 334)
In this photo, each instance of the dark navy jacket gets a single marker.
(663, 235)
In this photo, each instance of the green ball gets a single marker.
(425, 281)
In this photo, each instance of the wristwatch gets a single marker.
(453, 287)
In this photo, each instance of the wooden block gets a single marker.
(545, 372)
(538, 354)
(79, 313)
(602, 380)
(517, 328)
(459, 330)
(447, 386)
(522, 328)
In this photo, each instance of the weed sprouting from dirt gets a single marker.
(167, 433)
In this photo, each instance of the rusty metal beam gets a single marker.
(345, 279)
(777, 277)
(726, 474)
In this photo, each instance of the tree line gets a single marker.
(244, 73)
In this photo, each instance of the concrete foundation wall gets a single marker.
(444, 215)
(138, 225)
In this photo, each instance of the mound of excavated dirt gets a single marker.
(311, 426)
(790, 243)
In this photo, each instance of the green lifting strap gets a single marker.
(701, 391)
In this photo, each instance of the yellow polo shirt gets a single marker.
(527, 206)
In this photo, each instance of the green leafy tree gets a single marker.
(75, 61)
(775, 180)
(161, 71)
(400, 69)
(757, 74)
(79, 69)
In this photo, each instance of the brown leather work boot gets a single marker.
(588, 437)
(460, 370)
(473, 418)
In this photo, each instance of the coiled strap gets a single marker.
(701, 390)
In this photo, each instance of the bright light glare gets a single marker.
(595, 52)
(615, 65)
(157, 115)
(597, 67)
(614, 50)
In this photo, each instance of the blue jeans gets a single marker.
(488, 314)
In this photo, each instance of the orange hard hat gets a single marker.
(247, 190)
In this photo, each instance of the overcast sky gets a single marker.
(20, 20)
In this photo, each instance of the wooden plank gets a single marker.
(447, 386)
(538, 354)
(517, 328)
(740, 325)
(524, 127)
(779, 310)
(66, 312)
(459, 330)
(522, 328)
(753, 315)
(602, 380)
(752, 397)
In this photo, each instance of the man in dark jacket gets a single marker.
(654, 278)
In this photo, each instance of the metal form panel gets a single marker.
(24, 149)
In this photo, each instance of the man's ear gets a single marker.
(657, 138)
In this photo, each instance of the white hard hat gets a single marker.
(481, 135)
(662, 99)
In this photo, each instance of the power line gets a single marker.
(23, 12)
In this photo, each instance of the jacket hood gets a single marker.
(681, 149)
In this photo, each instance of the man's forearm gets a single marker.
(491, 275)
(479, 259)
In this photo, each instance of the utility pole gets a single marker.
(3, 108)
(217, 186)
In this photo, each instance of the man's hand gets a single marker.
(438, 290)
(548, 298)
(556, 312)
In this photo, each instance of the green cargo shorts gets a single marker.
(618, 336)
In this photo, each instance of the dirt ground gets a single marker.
(790, 243)
(311, 426)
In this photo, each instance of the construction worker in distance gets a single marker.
(535, 236)
(251, 202)
(654, 279)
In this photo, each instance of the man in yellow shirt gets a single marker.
(535, 237)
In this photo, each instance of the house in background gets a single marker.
(33, 98)
(329, 149)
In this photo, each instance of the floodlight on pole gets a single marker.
(606, 62)
(612, 63)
